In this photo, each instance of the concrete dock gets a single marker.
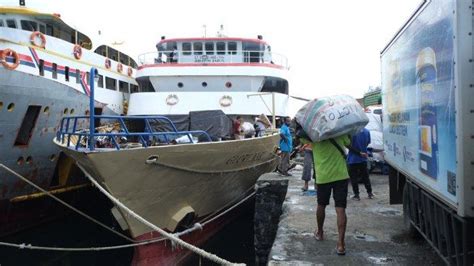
(375, 232)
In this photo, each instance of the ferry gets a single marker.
(44, 76)
(180, 166)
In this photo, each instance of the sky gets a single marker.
(332, 46)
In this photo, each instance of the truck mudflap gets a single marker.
(450, 235)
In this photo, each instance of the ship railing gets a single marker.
(70, 132)
(243, 57)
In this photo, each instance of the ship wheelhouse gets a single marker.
(193, 74)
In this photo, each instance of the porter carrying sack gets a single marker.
(330, 117)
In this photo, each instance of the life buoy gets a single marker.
(130, 71)
(77, 51)
(119, 67)
(38, 35)
(107, 63)
(9, 53)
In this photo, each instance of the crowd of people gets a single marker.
(332, 164)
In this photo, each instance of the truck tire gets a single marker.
(409, 228)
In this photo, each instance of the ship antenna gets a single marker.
(220, 33)
(205, 28)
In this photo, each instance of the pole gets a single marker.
(273, 111)
(91, 108)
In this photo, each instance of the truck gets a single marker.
(427, 77)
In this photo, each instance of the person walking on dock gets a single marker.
(286, 146)
(357, 163)
(307, 166)
(332, 175)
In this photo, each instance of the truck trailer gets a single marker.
(428, 113)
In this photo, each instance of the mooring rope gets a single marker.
(65, 203)
(156, 162)
(146, 242)
(201, 252)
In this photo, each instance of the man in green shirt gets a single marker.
(331, 169)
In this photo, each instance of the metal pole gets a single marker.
(273, 111)
(91, 108)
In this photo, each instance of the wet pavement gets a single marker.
(375, 232)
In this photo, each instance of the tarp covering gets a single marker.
(214, 122)
(330, 117)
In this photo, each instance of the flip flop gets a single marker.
(304, 189)
(318, 237)
(341, 252)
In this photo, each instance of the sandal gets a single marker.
(304, 189)
(318, 237)
(340, 252)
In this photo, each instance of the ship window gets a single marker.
(113, 54)
(186, 48)
(110, 83)
(232, 48)
(133, 88)
(123, 59)
(29, 25)
(209, 46)
(100, 82)
(123, 86)
(49, 30)
(42, 28)
(41, 67)
(29, 121)
(11, 23)
(88, 76)
(1, 22)
(66, 73)
(197, 46)
(220, 46)
(78, 76)
(55, 71)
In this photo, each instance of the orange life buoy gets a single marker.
(34, 36)
(107, 63)
(77, 51)
(9, 53)
(130, 71)
(119, 67)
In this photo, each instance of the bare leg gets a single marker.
(341, 227)
(320, 216)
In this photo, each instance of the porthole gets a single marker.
(72, 111)
(29, 159)
(204, 84)
(46, 110)
(20, 160)
(1, 105)
(66, 110)
(10, 107)
(228, 84)
(180, 84)
(52, 157)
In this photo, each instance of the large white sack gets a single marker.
(248, 128)
(330, 117)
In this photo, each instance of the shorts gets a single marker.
(339, 193)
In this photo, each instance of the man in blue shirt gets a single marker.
(357, 163)
(286, 146)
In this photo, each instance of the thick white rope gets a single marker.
(170, 236)
(65, 203)
(146, 242)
